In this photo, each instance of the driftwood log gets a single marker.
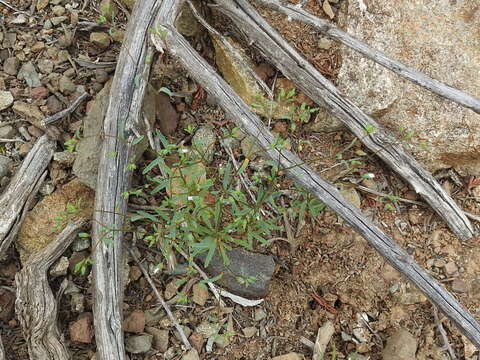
(36, 306)
(323, 92)
(19, 194)
(121, 127)
(235, 107)
(296, 12)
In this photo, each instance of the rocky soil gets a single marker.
(316, 273)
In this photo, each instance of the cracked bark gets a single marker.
(122, 125)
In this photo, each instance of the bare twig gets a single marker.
(443, 334)
(160, 299)
(4, 3)
(11, 140)
(413, 202)
(211, 285)
(54, 118)
(417, 77)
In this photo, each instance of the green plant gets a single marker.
(305, 204)
(200, 213)
(71, 144)
(82, 266)
(67, 214)
(285, 103)
(390, 200)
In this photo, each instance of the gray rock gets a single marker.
(451, 131)
(85, 166)
(66, 85)
(10, 66)
(60, 267)
(154, 315)
(243, 264)
(58, 19)
(29, 74)
(5, 165)
(81, 243)
(6, 99)
(203, 142)
(400, 346)
(7, 131)
(139, 344)
(100, 40)
(64, 158)
(191, 355)
(45, 66)
(160, 338)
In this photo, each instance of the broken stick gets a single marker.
(234, 106)
(15, 200)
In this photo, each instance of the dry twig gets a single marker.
(55, 117)
(161, 300)
(443, 334)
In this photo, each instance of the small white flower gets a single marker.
(184, 150)
(190, 198)
(368, 175)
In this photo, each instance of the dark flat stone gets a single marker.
(242, 264)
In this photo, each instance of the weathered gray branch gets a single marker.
(205, 75)
(35, 306)
(2, 350)
(415, 76)
(122, 125)
(55, 117)
(319, 89)
(15, 200)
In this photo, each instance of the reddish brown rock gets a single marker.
(81, 330)
(135, 322)
(39, 93)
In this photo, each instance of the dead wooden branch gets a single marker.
(36, 307)
(55, 117)
(122, 126)
(15, 201)
(297, 13)
(319, 89)
(231, 103)
(2, 350)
